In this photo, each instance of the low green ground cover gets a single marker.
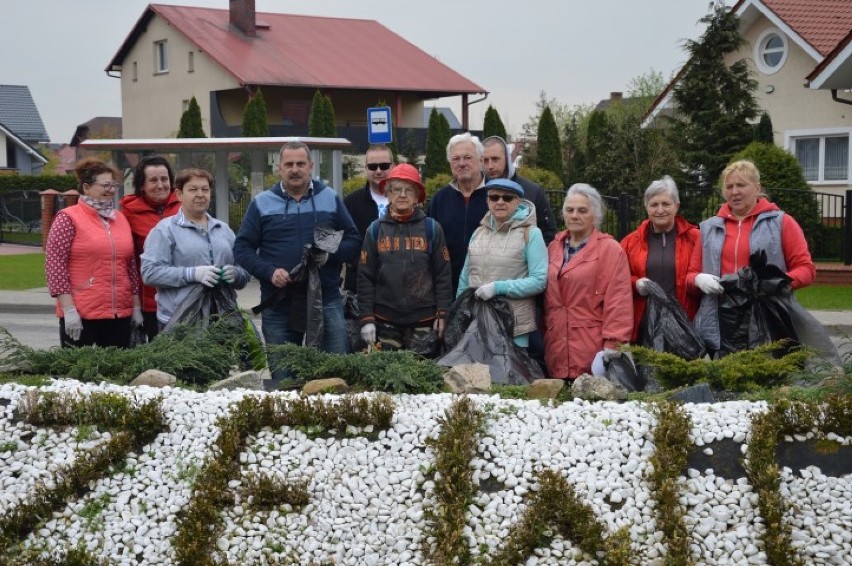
(19, 272)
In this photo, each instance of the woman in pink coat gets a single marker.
(588, 304)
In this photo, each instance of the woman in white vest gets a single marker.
(506, 255)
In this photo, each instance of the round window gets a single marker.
(770, 51)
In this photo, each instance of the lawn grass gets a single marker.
(27, 272)
(21, 272)
(826, 297)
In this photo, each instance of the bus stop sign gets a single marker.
(379, 125)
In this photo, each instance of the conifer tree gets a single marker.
(715, 101)
(255, 119)
(763, 131)
(316, 123)
(549, 146)
(329, 127)
(492, 125)
(190, 121)
(437, 137)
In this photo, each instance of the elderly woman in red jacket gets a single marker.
(659, 250)
(587, 304)
(90, 266)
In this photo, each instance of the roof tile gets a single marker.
(19, 114)
(822, 23)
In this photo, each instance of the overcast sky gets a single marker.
(576, 51)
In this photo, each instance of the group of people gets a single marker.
(573, 294)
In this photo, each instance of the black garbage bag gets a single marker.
(486, 338)
(352, 314)
(201, 302)
(666, 328)
(755, 307)
(303, 295)
(621, 370)
(205, 304)
(137, 335)
(428, 345)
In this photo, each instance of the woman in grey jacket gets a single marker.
(190, 248)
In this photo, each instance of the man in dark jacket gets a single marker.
(497, 158)
(370, 202)
(278, 224)
(460, 206)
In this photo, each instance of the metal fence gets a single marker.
(829, 233)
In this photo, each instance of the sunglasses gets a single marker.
(506, 198)
(382, 166)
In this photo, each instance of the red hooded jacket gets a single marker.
(143, 215)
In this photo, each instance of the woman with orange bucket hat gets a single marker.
(404, 275)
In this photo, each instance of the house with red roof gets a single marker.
(223, 56)
(800, 52)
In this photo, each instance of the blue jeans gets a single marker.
(276, 328)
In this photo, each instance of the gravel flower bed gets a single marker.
(370, 490)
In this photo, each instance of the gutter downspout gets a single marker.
(836, 98)
(465, 110)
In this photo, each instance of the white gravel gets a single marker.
(367, 496)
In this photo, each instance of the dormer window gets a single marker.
(161, 56)
(770, 51)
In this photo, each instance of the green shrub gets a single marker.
(779, 169)
(61, 183)
(547, 179)
(436, 183)
(353, 184)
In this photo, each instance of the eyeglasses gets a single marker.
(403, 191)
(107, 186)
(506, 198)
(382, 166)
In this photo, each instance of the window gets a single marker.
(191, 62)
(135, 72)
(185, 105)
(770, 51)
(161, 56)
(823, 157)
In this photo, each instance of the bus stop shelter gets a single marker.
(241, 167)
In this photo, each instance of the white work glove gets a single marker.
(229, 274)
(642, 286)
(137, 318)
(73, 323)
(368, 333)
(709, 284)
(486, 292)
(598, 366)
(207, 275)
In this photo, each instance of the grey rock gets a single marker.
(154, 378)
(242, 380)
(329, 385)
(468, 378)
(593, 388)
(545, 388)
(700, 393)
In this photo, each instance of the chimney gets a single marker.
(243, 16)
(613, 96)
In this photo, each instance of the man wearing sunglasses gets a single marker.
(370, 202)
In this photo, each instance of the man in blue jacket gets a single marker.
(278, 224)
